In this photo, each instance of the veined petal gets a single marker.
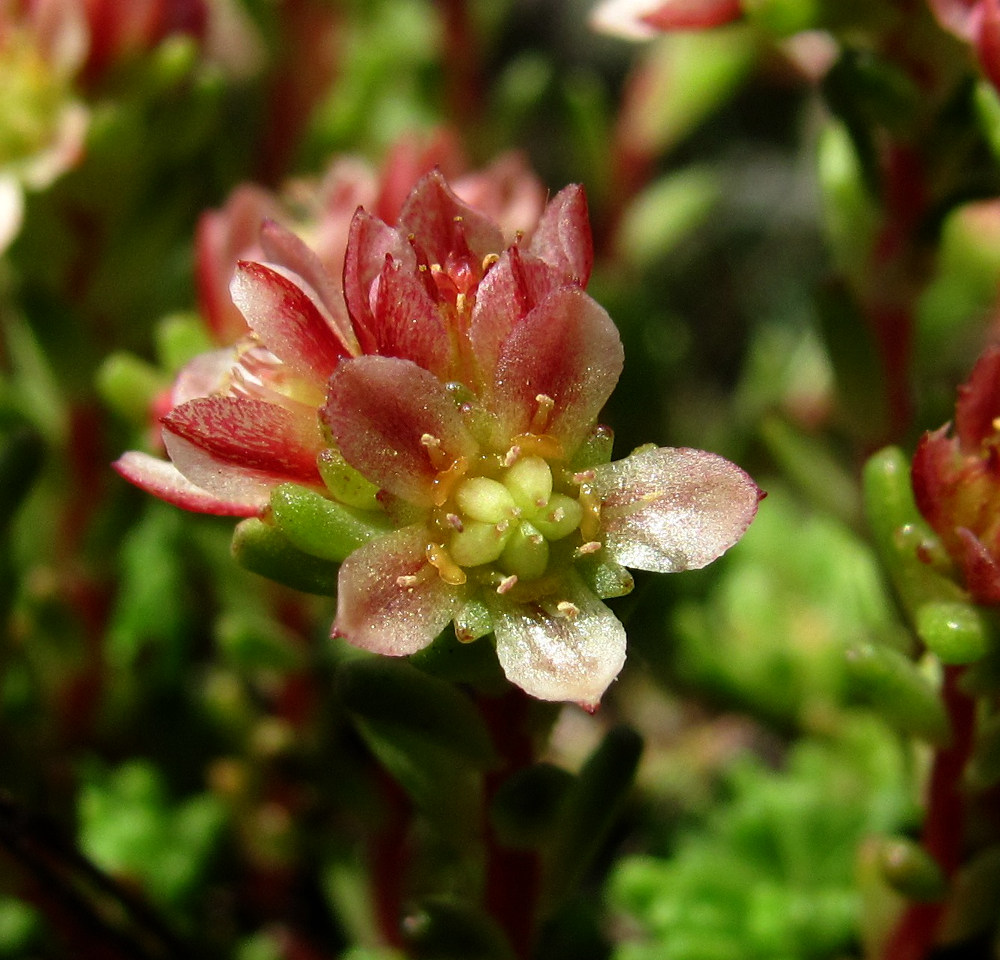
(568, 647)
(287, 321)
(369, 242)
(162, 479)
(443, 225)
(409, 324)
(567, 350)
(247, 434)
(563, 239)
(396, 424)
(286, 250)
(673, 509)
(390, 600)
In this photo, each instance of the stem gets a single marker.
(944, 824)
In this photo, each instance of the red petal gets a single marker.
(162, 479)
(408, 324)
(379, 612)
(978, 404)
(287, 321)
(988, 41)
(566, 349)
(444, 227)
(980, 569)
(563, 237)
(248, 434)
(379, 409)
(370, 241)
(692, 14)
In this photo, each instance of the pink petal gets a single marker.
(567, 647)
(410, 158)
(285, 250)
(247, 434)
(222, 237)
(673, 509)
(369, 242)
(566, 349)
(409, 323)
(379, 611)
(162, 479)
(444, 227)
(287, 321)
(203, 375)
(639, 19)
(961, 17)
(507, 191)
(563, 238)
(381, 410)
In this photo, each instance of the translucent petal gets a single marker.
(569, 646)
(390, 600)
(563, 238)
(671, 509)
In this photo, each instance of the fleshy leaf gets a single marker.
(568, 646)
(390, 599)
(671, 509)
(391, 420)
(567, 350)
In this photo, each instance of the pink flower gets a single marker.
(978, 23)
(639, 19)
(460, 375)
(956, 480)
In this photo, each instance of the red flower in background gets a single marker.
(956, 480)
(638, 19)
(978, 23)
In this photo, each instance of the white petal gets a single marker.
(569, 646)
(11, 210)
(671, 509)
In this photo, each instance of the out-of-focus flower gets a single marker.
(42, 123)
(956, 480)
(451, 389)
(640, 19)
(978, 23)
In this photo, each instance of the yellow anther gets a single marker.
(568, 610)
(591, 546)
(447, 569)
(543, 413)
(489, 260)
(407, 582)
(507, 584)
(444, 482)
(590, 523)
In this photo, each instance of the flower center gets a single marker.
(504, 522)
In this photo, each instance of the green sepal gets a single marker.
(473, 621)
(263, 548)
(526, 806)
(323, 527)
(393, 694)
(956, 632)
(346, 483)
(595, 450)
(589, 810)
(911, 870)
(443, 929)
(891, 683)
(901, 536)
(605, 577)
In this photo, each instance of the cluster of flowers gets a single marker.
(440, 392)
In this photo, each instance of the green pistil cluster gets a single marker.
(509, 521)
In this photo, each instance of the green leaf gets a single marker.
(955, 632)
(589, 811)
(527, 805)
(891, 683)
(322, 527)
(911, 870)
(265, 549)
(442, 929)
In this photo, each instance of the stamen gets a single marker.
(454, 521)
(543, 414)
(489, 260)
(435, 453)
(510, 458)
(591, 546)
(507, 584)
(447, 569)
(590, 523)
(446, 479)
(568, 610)
(407, 582)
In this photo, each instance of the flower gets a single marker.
(640, 19)
(978, 23)
(451, 390)
(956, 480)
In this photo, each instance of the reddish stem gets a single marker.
(944, 824)
(463, 83)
